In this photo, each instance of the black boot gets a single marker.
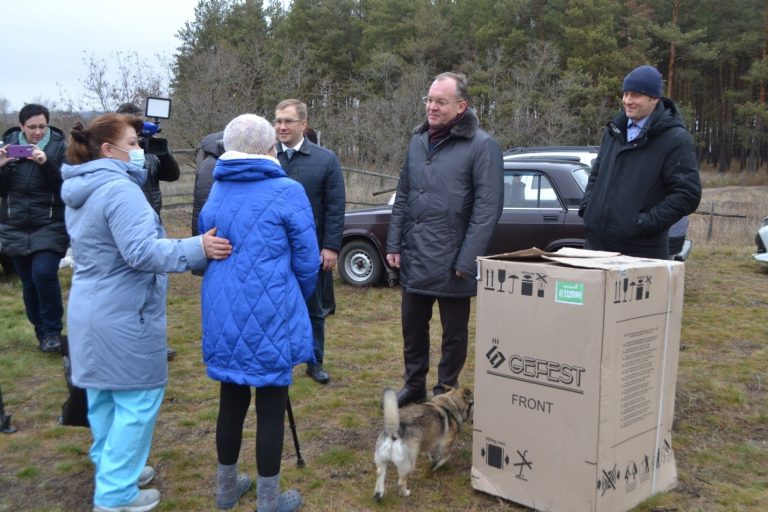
(318, 373)
(51, 343)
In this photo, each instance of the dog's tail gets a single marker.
(391, 414)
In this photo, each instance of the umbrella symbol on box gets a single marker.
(513, 278)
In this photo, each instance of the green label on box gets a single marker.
(570, 293)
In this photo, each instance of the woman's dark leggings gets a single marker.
(271, 403)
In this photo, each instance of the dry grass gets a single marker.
(723, 195)
(720, 434)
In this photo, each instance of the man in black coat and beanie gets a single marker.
(645, 177)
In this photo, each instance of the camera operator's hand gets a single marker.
(155, 146)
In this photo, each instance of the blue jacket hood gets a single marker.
(235, 166)
(80, 181)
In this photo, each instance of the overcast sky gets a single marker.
(45, 41)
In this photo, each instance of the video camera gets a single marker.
(157, 108)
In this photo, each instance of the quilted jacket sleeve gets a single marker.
(300, 227)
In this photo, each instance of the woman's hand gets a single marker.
(38, 155)
(216, 248)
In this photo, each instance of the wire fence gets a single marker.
(713, 223)
(362, 187)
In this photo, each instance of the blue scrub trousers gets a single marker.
(122, 423)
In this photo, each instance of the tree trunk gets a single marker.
(672, 51)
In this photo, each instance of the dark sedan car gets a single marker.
(541, 201)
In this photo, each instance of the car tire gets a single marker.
(360, 264)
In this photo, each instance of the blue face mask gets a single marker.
(136, 156)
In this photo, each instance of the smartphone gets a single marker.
(19, 150)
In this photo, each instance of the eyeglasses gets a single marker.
(440, 103)
(286, 122)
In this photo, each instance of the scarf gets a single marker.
(438, 135)
(43, 142)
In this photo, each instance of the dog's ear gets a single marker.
(468, 395)
(448, 388)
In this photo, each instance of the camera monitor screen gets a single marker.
(158, 108)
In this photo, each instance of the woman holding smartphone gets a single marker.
(32, 230)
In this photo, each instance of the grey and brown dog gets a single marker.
(432, 426)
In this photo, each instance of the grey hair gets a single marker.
(461, 83)
(249, 133)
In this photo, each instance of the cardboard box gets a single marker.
(576, 363)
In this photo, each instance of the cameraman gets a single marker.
(160, 165)
(159, 162)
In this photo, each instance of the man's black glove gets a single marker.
(155, 146)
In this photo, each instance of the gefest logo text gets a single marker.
(535, 370)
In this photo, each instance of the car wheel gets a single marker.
(360, 264)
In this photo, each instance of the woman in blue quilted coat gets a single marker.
(255, 322)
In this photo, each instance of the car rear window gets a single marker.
(528, 189)
(581, 175)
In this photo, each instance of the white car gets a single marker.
(761, 240)
(583, 154)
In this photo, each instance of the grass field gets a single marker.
(720, 433)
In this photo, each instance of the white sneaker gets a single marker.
(145, 501)
(146, 476)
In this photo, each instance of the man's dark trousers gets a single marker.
(317, 318)
(416, 313)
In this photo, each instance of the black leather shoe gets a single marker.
(51, 343)
(318, 373)
(171, 353)
(408, 396)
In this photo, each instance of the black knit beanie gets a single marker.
(644, 80)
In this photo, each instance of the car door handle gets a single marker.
(551, 218)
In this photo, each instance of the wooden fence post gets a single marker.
(711, 220)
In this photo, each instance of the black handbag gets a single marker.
(74, 411)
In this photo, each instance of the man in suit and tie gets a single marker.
(318, 170)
